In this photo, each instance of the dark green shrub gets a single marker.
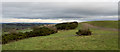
(66, 26)
(9, 37)
(21, 36)
(43, 31)
(84, 32)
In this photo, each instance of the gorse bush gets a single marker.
(10, 37)
(84, 32)
(67, 25)
(43, 31)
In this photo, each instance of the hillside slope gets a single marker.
(66, 40)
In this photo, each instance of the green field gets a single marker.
(106, 24)
(24, 30)
(67, 40)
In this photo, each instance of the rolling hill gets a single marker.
(100, 39)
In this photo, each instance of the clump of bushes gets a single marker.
(84, 32)
(43, 31)
(11, 37)
(67, 25)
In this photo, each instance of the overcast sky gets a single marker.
(55, 12)
(60, 0)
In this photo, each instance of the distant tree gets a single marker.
(12, 31)
(35, 27)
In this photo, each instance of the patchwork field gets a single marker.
(101, 39)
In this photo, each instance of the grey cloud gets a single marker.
(58, 10)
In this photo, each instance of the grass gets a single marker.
(66, 40)
(106, 24)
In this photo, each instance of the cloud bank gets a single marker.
(61, 11)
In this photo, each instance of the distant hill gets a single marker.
(19, 26)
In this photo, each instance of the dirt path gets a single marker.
(86, 25)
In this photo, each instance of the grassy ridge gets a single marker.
(106, 24)
(66, 40)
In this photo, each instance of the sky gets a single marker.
(57, 12)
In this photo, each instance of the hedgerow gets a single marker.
(43, 31)
(67, 25)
